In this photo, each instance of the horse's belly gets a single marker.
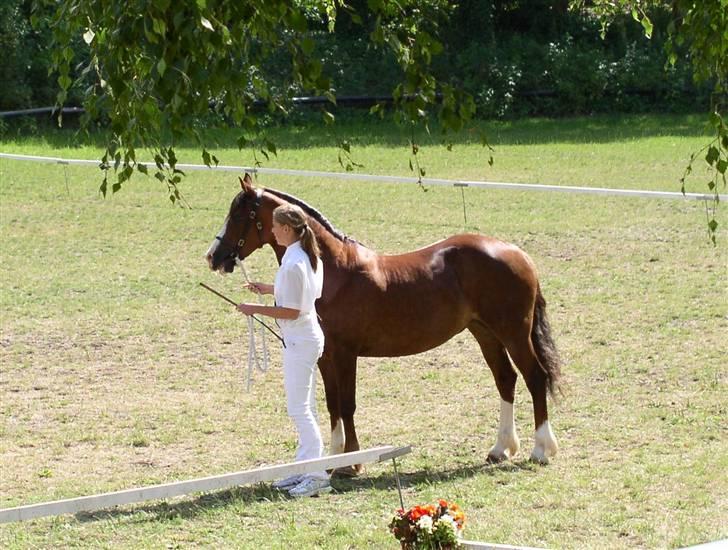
(407, 335)
(404, 319)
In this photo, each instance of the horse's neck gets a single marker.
(333, 249)
(336, 253)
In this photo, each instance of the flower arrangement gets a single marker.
(429, 527)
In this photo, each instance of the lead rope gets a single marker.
(253, 359)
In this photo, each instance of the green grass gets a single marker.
(117, 371)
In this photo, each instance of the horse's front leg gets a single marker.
(331, 389)
(345, 368)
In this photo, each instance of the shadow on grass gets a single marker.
(205, 503)
(363, 131)
(387, 480)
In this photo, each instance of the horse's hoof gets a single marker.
(539, 457)
(497, 457)
(348, 471)
(504, 449)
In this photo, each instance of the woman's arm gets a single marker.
(277, 312)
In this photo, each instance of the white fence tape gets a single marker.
(401, 179)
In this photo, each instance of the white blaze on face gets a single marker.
(216, 242)
(337, 438)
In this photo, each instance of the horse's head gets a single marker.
(243, 231)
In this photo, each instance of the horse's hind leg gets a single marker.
(521, 351)
(495, 355)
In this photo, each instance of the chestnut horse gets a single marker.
(376, 305)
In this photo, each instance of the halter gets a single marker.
(252, 217)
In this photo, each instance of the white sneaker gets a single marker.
(310, 486)
(287, 482)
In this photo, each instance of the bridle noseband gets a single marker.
(252, 218)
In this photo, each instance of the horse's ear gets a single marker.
(246, 182)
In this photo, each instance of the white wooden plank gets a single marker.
(474, 545)
(212, 483)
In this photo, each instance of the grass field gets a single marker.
(117, 371)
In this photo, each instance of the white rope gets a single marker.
(254, 362)
(404, 179)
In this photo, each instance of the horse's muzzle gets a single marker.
(218, 262)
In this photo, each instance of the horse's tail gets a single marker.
(544, 345)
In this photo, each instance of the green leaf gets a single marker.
(328, 117)
(161, 66)
(712, 155)
(647, 26)
(64, 81)
(271, 147)
(159, 26)
(721, 166)
(88, 36)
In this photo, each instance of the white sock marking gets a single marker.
(337, 438)
(507, 444)
(545, 444)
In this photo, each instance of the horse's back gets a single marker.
(466, 251)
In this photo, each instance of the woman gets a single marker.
(297, 285)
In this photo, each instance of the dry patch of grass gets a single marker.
(117, 371)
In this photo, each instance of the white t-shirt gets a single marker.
(298, 286)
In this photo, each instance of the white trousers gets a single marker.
(299, 380)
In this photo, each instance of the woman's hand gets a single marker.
(260, 288)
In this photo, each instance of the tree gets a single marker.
(159, 68)
(701, 28)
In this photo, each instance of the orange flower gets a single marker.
(416, 512)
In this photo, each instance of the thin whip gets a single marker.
(273, 332)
